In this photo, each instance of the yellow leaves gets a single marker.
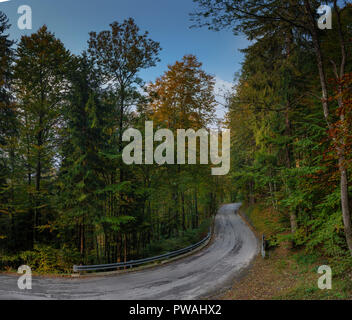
(38, 148)
(183, 97)
(82, 197)
(49, 226)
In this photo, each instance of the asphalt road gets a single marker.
(197, 276)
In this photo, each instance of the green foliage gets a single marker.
(189, 237)
(66, 197)
(43, 259)
(282, 152)
(305, 259)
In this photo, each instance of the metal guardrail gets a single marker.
(140, 261)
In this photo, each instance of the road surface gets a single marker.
(200, 275)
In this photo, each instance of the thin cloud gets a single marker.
(222, 89)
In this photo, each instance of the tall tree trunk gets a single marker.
(345, 203)
(38, 175)
(289, 156)
(183, 211)
(346, 215)
(341, 158)
(118, 247)
(82, 241)
(196, 208)
(125, 248)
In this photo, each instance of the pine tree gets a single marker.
(40, 83)
(8, 138)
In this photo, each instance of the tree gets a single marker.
(8, 135)
(255, 17)
(6, 99)
(40, 81)
(6, 56)
(183, 98)
(119, 55)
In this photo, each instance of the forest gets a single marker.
(290, 118)
(66, 196)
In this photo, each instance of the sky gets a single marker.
(167, 21)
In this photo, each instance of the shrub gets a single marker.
(42, 259)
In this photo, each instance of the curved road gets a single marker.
(196, 276)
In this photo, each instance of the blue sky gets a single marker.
(167, 21)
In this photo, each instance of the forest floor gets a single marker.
(286, 273)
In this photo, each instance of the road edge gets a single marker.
(217, 294)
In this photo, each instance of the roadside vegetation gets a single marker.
(290, 117)
(287, 273)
